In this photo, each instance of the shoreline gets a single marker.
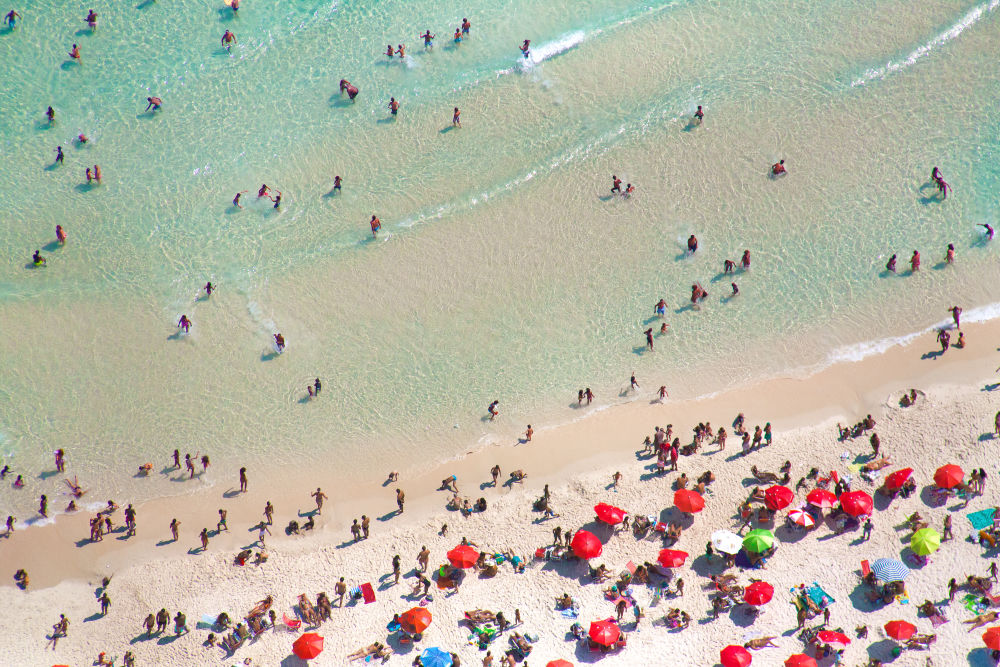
(844, 389)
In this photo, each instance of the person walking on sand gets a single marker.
(946, 532)
(222, 521)
(340, 590)
(262, 529)
(243, 480)
(617, 477)
(495, 470)
(396, 571)
(105, 603)
(203, 535)
(365, 525)
(269, 512)
(400, 498)
(174, 528)
(320, 497)
(60, 629)
(528, 433)
(423, 557)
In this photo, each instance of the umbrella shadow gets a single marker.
(294, 661)
(742, 616)
(882, 650)
(789, 535)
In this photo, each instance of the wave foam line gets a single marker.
(973, 16)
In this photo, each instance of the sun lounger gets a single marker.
(866, 569)
(290, 623)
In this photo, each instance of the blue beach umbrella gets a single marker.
(435, 657)
(890, 569)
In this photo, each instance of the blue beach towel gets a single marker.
(819, 596)
(981, 519)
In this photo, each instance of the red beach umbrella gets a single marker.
(800, 660)
(822, 499)
(758, 593)
(856, 503)
(308, 646)
(735, 656)
(672, 558)
(415, 620)
(609, 514)
(895, 480)
(463, 556)
(559, 663)
(604, 633)
(586, 545)
(778, 497)
(900, 630)
(948, 476)
(688, 501)
(992, 638)
(835, 639)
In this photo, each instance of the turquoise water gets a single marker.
(503, 271)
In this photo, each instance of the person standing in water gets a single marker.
(50, 113)
(949, 256)
(184, 323)
(891, 264)
(466, 26)
(393, 106)
(692, 244)
(228, 38)
(457, 39)
(649, 338)
(988, 230)
(401, 51)
(526, 48)
(428, 39)
(74, 53)
(349, 88)
(389, 52)
(745, 261)
(956, 315)
(59, 154)
(154, 103)
(915, 262)
(376, 225)
(60, 235)
(778, 168)
(616, 184)
(699, 115)
(92, 20)
(209, 288)
(336, 183)
(456, 118)
(236, 199)
(11, 20)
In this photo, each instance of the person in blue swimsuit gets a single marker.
(428, 39)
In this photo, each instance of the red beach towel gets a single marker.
(368, 593)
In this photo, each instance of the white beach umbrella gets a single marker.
(727, 541)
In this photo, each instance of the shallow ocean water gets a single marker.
(503, 270)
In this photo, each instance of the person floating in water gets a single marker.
(74, 53)
(376, 225)
(778, 168)
(699, 115)
(81, 139)
(526, 48)
(60, 235)
(692, 244)
(336, 183)
(456, 118)
(37, 258)
(236, 199)
(154, 103)
(279, 342)
(393, 106)
(92, 20)
(428, 39)
(11, 20)
(228, 38)
(59, 154)
(209, 288)
(891, 264)
(349, 88)
(184, 323)
(616, 184)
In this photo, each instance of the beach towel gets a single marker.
(903, 598)
(570, 613)
(981, 519)
(937, 619)
(368, 593)
(974, 603)
(819, 596)
(207, 621)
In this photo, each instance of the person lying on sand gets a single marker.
(877, 464)
(921, 642)
(982, 620)
(761, 642)
(377, 650)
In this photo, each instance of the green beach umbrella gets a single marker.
(758, 540)
(925, 541)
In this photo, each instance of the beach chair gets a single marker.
(866, 569)
(292, 624)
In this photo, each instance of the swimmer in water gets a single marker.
(154, 103)
(778, 168)
(60, 235)
(235, 6)
(526, 48)
(81, 139)
(891, 264)
(236, 199)
(11, 20)
(692, 244)
(456, 118)
(349, 88)
(989, 231)
(228, 38)
(74, 53)
(264, 190)
(92, 19)
(616, 184)
(336, 183)
(393, 106)
(458, 36)
(376, 225)
(59, 154)
(37, 258)
(466, 26)
(699, 115)
(209, 288)
(428, 39)
(184, 323)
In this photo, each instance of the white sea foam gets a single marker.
(972, 17)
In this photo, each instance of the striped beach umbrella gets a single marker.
(802, 518)
(890, 569)
(925, 541)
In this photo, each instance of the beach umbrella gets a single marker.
(822, 499)
(735, 656)
(688, 501)
(308, 646)
(758, 540)
(948, 476)
(436, 657)
(416, 620)
(925, 541)
(758, 593)
(895, 480)
(586, 545)
(802, 518)
(992, 638)
(800, 660)
(727, 541)
(900, 630)
(856, 503)
(609, 514)
(463, 556)
(559, 663)
(837, 640)
(672, 558)
(778, 497)
(604, 633)
(890, 569)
